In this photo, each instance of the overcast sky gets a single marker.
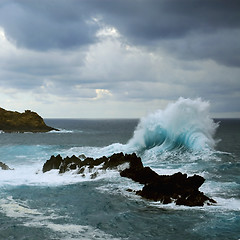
(118, 58)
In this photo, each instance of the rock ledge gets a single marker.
(177, 188)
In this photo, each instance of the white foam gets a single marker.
(15, 209)
(185, 123)
(32, 175)
(63, 131)
(72, 231)
(95, 152)
(227, 204)
(223, 204)
(34, 218)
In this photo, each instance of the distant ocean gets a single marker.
(36, 205)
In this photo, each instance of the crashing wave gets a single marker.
(185, 124)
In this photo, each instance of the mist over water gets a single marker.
(181, 137)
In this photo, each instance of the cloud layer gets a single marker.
(133, 56)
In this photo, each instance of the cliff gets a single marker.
(22, 122)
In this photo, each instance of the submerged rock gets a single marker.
(178, 188)
(22, 122)
(4, 166)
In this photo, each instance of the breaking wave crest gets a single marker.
(185, 124)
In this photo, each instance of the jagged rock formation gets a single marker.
(74, 162)
(4, 166)
(22, 122)
(176, 188)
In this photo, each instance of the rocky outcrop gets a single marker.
(52, 163)
(3, 166)
(22, 122)
(74, 162)
(178, 188)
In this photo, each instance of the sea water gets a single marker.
(182, 137)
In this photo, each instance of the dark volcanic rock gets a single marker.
(119, 158)
(176, 188)
(196, 198)
(22, 122)
(142, 175)
(168, 188)
(74, 162)
(4, 166)
(69, 163)
(52, 163)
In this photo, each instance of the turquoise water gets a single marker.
(34, 205)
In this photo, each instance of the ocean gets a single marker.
(182, 137)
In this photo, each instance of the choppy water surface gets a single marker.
(182, 138)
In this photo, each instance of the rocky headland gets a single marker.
(177, 188)
(28, 121)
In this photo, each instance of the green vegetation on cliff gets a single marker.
(22, 122)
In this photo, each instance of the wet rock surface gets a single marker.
(178, 188)
(4, 166)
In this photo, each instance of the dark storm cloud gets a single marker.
(152, 20)
(65, 22)
(189, 29)
(44, 25)
(222, 46)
